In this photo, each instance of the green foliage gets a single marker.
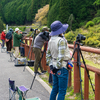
(92, 41)
(82, 11)
(98, 13)
(70, 36)
(20, 12)
(64, 12)
(1, 25)
(92, 35)
(96, 20)
(54, 12)
(89, 23)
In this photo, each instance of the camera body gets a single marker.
(80, 37)
(45, 35)
(33, 29)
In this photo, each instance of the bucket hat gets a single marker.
(57, 28)
(45, 28)
(16, 29)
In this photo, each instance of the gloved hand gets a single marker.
(53, 69)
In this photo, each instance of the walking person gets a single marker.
(57, 56)
(9, 39)
(3, 34)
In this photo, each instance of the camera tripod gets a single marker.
(79, 65)
(30, 47)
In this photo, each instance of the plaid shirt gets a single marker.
(61, 53)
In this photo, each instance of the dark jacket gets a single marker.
(9, 34)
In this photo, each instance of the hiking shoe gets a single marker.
(37, 73)
(43, 72)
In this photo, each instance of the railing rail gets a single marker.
(76, 70)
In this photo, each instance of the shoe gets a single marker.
(37, 73)
(43, 72)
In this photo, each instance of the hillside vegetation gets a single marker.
(41, 16)
(92, 34)
(20, 12)
(84, 14)
(74, 12)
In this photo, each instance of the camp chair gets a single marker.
(12, 90)
(21, 94)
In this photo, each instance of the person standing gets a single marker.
(57, 56)
(3, 34)
(16, 41)
(39, 41)
(9, 39)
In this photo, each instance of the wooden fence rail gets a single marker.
(76, 70)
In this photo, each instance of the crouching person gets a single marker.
(57, 56)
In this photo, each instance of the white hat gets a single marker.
(4, 30)
(16, 29)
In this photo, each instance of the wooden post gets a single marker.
(76, 74)
(97, 86)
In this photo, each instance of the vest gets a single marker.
(53, 47)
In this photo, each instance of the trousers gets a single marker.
(37, 62)
(9, 45)
(60, 82)
(3, 43)
(16, 54)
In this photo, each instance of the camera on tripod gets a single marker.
(23, 35)
(45, 35)
(80, 37)
(33, 29)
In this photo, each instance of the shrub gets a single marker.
(96, 20)
(90, 23)
(70, 36)
(92, 41)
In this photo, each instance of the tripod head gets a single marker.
(80, 37)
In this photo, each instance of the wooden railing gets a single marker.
(76, 70)
(86, 79)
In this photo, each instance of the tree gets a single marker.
(1, 25)
(64, 11)
(53, 13)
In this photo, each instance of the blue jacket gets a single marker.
(9, 34)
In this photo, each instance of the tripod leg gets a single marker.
(33, 81)
(79, 64)
(87, 72)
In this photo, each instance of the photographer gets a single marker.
(16, 41)
(57, 56)
(39, 41)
